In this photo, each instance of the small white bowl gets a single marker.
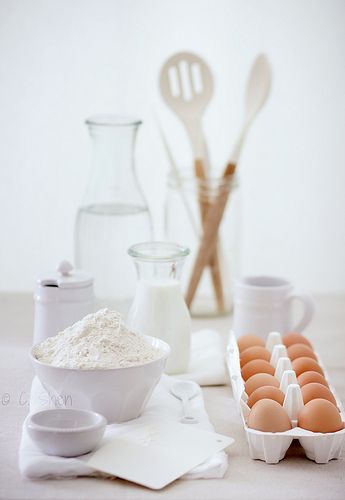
(120, 394)
(66, 432)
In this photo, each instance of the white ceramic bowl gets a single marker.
(66, 432)
(119, 394)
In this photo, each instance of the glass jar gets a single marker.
(159, 308)
(114, 214)
(188, 199)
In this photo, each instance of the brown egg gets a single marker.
(315, 391)
(301, 365)
(266, 392)
(309, 377)
(295, 338)
(319, 415)
(256, 366)
(299, 350)
(254, 352)
(259, 380)
(268, 416)
(248, 341)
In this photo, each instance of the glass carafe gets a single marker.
(159, 308)
(114, 214)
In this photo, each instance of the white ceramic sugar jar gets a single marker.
(61, 298)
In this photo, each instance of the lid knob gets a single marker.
(64, 268)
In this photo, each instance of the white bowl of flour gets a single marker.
(99, 364)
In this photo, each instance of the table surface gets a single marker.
(294, 477)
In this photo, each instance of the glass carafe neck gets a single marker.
(113, 180)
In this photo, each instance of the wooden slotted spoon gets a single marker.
(186, 85)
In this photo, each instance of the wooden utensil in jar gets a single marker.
(209, 240)
(186, 85)
(257, 91)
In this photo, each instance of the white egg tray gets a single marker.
(271, 447)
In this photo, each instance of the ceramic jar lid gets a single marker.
(65, 276)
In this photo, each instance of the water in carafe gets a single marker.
(114, 214)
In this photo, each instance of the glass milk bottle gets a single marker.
(159, 308)
(114, 214)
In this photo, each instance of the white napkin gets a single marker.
(207, 364)
(34, 464)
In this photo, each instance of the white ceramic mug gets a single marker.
(263, 304)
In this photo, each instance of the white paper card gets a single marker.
(158, 453)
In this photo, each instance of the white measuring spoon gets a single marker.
(185, 390)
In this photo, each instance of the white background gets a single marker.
(61, 61)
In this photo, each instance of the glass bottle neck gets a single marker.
(158, 261)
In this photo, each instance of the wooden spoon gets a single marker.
(258, 87)
(186, 85)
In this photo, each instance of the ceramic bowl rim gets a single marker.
(99, 423)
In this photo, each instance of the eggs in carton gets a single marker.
(286, 405)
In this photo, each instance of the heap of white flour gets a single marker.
(100, 340)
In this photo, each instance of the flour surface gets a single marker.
(100, 340)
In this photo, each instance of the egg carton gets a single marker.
(271, 447)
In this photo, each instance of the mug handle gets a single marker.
(309, 309)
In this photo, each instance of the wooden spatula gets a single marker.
(186, 85)
(257, 91)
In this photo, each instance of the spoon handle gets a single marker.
(209, 239)
(213, 261)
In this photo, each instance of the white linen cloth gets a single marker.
(207, 363)
(34, 464)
